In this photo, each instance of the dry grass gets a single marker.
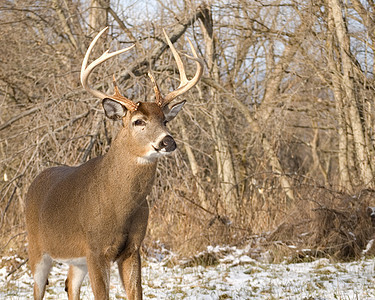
(328, 223)
(322, 223)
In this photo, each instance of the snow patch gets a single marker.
(235, 276)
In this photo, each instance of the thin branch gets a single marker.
(7, 206)
(18, 267)
(37, 108)
(141, 68)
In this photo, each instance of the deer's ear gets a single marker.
(113, 109)
(171, 113)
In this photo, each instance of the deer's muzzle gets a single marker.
(167, 144)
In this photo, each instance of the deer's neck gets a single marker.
(127, 177)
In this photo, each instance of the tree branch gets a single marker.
(141, 68)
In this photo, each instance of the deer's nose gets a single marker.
(168, 144)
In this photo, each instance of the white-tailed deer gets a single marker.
(95, 214)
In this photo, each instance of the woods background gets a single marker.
(276, 142)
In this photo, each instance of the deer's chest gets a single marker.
(113, 236)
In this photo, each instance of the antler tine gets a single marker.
(129, 104)
(185, 84)
(158, 97)
(86, 71)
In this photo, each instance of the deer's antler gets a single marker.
(185, 84)
(86, 71)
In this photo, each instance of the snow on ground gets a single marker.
(234, 276)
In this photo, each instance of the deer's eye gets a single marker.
(165, 123)
(139, 122)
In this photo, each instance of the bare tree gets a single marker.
(286, 104)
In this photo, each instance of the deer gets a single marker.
(95, 214)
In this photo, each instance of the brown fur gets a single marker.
(97, 210)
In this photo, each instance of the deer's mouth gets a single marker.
(156, 149)
(164, 146)
(159, 151)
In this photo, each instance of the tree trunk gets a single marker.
(351, 101)
(225, 166)
(193, 166)
(345, 180)
(98, 18)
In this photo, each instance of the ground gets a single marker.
(219, 273)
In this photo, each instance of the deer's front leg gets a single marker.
(129, 262)
(99, 273)
(130, 272)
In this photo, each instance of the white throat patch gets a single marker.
(152, 155)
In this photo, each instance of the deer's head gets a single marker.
(143, 122)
